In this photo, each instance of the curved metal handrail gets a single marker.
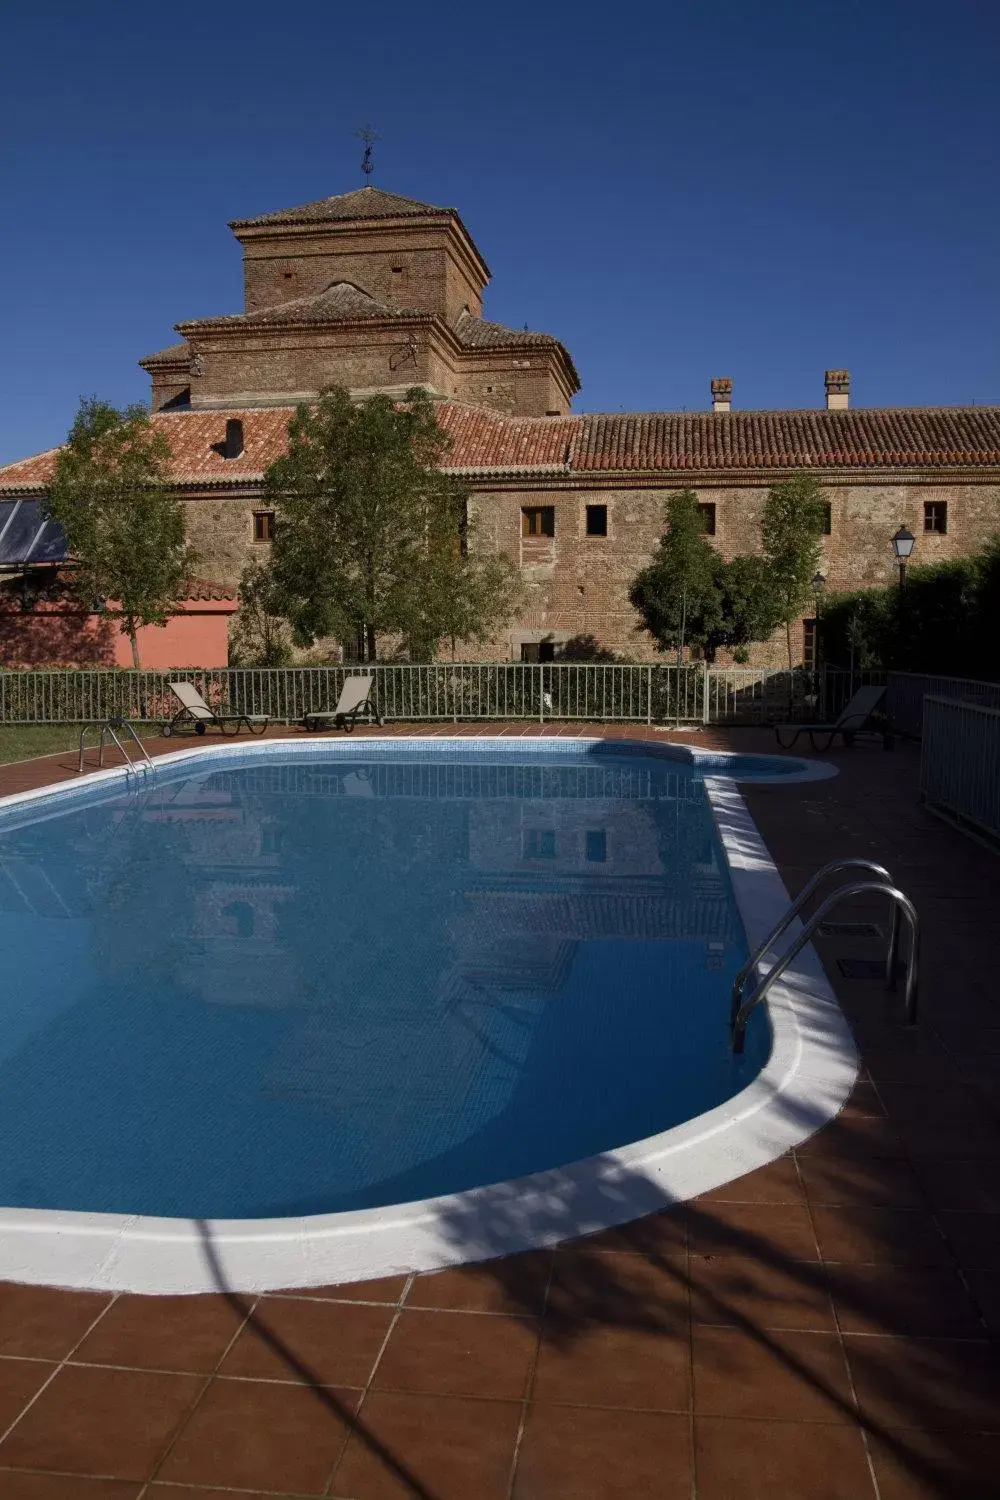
(108, 727)
(806, 892)
(861, 888)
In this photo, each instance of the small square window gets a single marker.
(597, 846)
(538, 520)
(263, 526)
(827, 518)
(936, 516)
(597, 520)
(707, 513)
(539, 843)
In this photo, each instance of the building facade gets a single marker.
(380, 293)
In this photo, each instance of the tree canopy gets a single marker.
(791, 529)
(946, 620)
(259, 636)
(124, 532)
(748, 609)
(677, 594)
(369, 532)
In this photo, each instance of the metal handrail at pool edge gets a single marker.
(810, 887)
(900, 902)
(109, 727)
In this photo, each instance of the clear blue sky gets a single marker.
(752, 188)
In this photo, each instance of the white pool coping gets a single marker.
(804, 1084)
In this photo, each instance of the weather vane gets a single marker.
(369, 136)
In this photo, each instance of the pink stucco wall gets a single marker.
(197, 636)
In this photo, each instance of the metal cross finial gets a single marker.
(369, 136)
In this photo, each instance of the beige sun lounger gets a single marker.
(854, 720)
(355, 698)
(193, 706)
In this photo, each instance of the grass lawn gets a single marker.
(22, 741)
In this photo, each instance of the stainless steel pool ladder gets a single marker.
(110, 726)
(884, 885)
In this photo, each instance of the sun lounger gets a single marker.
(355, 698)
(853, 721)
(193, 706)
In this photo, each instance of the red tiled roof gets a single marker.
(362, 203)
(343, 302)
(477, 333)
(483, 439)
(174, 354)
(486, 442)
(203, 588)
(884, 437)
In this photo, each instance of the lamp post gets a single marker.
(818, 583)
(902, 544)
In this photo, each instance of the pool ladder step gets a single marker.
(110, 727)
(883, 884)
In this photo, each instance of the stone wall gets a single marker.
(577, 584)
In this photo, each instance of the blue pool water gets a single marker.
(298, 985)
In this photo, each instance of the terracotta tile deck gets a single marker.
(827, 1328)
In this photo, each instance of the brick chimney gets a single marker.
(722, 393)
(838, 390)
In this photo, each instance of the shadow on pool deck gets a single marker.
(790, 1336)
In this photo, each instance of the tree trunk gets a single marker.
(134, 639)
(370, 630)
(788, 643)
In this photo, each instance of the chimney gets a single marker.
(233, 446)
(838, 390)
(722, 393)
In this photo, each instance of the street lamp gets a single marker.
(818, 583)
(902, 544)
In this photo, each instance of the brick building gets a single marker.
(379, 293)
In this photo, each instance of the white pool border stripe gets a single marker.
(805, 1082)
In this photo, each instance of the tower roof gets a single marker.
(341, 302)
(363, 203)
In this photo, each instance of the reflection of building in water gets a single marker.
(521, 867)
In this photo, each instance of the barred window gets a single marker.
(538, 520)
(936, 516)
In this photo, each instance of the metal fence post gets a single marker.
(541, 694)
(705, 709)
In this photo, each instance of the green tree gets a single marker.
(748, 609)
(677, 594)
(457, 595)
(123, 530)
(368, 529)
(259, 635)
(791, 529)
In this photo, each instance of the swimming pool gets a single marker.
(320, 987)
